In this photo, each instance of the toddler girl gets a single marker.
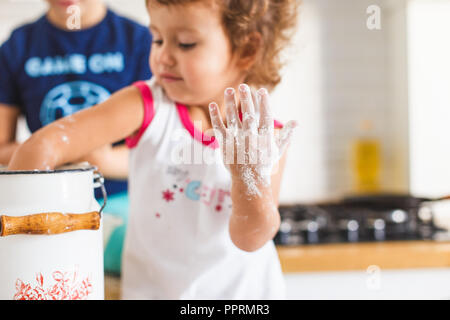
(203, 202)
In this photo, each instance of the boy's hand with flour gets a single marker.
(251, 152)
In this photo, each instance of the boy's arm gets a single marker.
(70, 138)
(8, 122)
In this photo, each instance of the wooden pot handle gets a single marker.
(49, 223)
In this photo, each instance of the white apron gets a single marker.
(177, 244)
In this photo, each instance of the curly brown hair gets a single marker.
(272, 20)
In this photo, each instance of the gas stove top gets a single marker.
(356, 221)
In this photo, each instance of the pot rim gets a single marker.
(80, 167)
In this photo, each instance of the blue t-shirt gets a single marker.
(49, 73)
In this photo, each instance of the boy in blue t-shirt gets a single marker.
(63, 63)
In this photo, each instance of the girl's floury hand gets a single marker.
(250, 147)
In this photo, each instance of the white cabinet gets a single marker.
(372, 284)
(429, 70)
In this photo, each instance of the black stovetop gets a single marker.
(354, 223)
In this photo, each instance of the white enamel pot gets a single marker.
(50, 234)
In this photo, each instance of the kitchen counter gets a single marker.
(112, 287)
(359, 256)
(346, 257)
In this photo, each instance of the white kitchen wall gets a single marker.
(353, 68)
(299, 97)
(350, 74)
(357, 78)
(339, 73)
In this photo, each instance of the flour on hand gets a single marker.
(249, 147)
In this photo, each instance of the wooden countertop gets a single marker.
(346, 257)
(112, 287)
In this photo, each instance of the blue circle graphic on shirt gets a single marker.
(70, 97)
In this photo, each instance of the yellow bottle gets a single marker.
(366, 160)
